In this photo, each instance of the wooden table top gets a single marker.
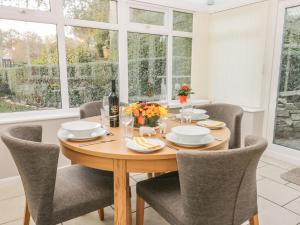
(117, 149)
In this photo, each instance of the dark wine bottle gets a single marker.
(113, 99)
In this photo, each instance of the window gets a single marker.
(27, 4)
(97, 10)
(67, 52)
(182, 21)
(147, 17)
(29, 74)
(182, 59)
(92, 59)
(147, 57)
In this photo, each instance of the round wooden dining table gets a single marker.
(110, 153)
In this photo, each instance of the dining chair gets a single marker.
(90, 109)
(230, 114)
(54, 195)
(211, 187)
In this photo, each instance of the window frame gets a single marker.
(123, 26)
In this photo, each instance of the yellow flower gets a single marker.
(163, 111)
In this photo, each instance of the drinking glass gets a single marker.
(105, 119)
(162, 124)
(126, 120)
(105, 103)
(186, 113)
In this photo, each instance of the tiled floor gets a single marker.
(278, 200)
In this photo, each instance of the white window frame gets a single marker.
(123, 26)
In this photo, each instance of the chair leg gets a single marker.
(140, 207)
(150, 175)
(101, 214)
(254, 220)
(26, 215)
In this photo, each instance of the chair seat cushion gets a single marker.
(80, 190)
(162, 193)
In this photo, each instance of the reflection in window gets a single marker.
(92, 61)
(146, 16)
(147, 56)
(182, 21)
(95, 10)
(27, 4)
(29, 74)
(182, 62)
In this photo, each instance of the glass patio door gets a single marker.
(285, 132)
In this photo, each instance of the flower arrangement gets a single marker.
(183, 93)
(146, 114)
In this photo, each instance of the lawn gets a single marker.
(6, 107)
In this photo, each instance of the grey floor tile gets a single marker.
(294, 206)
(294, 186)
(275, 192)
(272, 172)
(272, 214)
(277, 162)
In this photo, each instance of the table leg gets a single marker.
(121, 194)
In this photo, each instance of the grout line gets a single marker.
(16, 196)
(291, 201)
(10, 221)
(274, 180)
(278, 205)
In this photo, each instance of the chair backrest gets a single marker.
(219, 187)
(37, 166)
(90, 109)
(231, 115)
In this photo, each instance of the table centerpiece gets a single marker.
(146, 113)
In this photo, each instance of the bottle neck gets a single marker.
(113, 86)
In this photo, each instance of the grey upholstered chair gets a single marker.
(212, 188)
(54, 196)
(231, 115)
(90, 109)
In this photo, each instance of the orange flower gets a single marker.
(136, 112)
(141, 120)
(185, 88)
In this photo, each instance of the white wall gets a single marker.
(237, 40)
(50, 128)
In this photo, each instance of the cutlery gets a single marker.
(95, 143)
(218, 139)
(172, 147)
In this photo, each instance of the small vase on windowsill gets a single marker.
(182, 99)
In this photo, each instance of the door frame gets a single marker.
(278, 151)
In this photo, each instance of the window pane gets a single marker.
(146, 16)
(182, 21)
(287, 120)
(27, 4)
(96, 10)
(92, 58)
(147, 67)
(182, 61)
(29, 74)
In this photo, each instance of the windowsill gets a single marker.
(30, 116)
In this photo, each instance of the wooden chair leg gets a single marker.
(140, 207)
(101, 214)
(26, 215)
(254, 220)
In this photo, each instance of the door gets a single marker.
(284, 122)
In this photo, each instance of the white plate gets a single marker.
(133, 146)
(195, 118)
(64, 134)
(207, 139)
(207, 123)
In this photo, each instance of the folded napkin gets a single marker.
(142, 142)
(211, 123)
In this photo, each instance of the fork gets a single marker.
(95, 143)
(172, 147)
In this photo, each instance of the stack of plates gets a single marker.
(81, 130)
(197, 114)
(190, 136)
